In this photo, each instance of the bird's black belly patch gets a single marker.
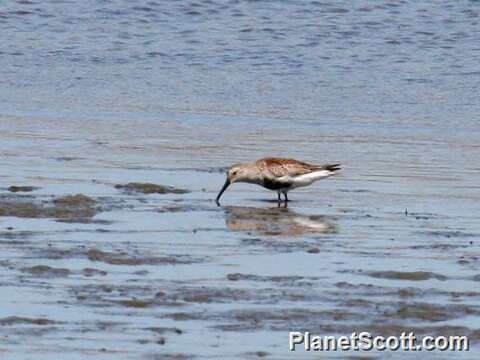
(273, 184)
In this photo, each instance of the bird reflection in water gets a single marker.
(276, 221)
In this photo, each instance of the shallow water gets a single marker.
(390, 244)
(301, 59)
(172, 93)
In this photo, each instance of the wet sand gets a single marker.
(97, 265)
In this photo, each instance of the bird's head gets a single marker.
(236, 173)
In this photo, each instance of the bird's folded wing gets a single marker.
(280, 167)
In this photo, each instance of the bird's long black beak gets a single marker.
(225, 186)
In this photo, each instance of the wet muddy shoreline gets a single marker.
(125, 255)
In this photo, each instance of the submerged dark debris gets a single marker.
(257, 354)
(163, 330)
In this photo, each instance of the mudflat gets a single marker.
(123, 237)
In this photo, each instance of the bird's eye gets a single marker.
(234, 173)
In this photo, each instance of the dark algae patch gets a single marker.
(130, 296)
(136, 303)
(183, 316)
(273, 279)
(124, 259)
(432, 312)
(24, 209)
(14, 320)
(92, 272)
(78, 200)
(43, 270)
(400, 275)
(15, 188)
(149, 188)
(71, 207)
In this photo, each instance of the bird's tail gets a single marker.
(327, 170)
(332, 167)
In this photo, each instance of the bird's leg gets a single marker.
(279, 198)
(286, 197)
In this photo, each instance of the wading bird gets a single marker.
(277, 174)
